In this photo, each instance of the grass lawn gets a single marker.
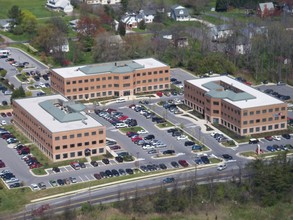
(229, 143)
(21, 77)
(215, 160)
(134, 129)
(184, 107)
(196, 114)
(48, 91)
(36, 7)
(248, 154)
(165, 125)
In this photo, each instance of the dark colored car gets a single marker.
(169, 152)
(119, 159)
(188, 143)
(60, 182)
(131, 133)
(82, 165)
(14, 185)
(129, 171)
(108, 173)
(205, 159)
(269, 138)
(168, 180)
(144, 168)
(98, 176)
(171, 130)
(253, 141)
(286, 136)
(174, 164)
(94, 163)
(115, 172)
(2, 164)
(105, 161)
(162, 166)
(122, 172)
(183, 163)
(56, 169)
(103, 174)
(149, 137)
(227, 157)
(176, 134)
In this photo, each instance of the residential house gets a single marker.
(73, 24)
(102, 2)
(179, 13)
(221, 32)
(265, 9)
(62, 47)
(60, 5)
(132, 19)
(5, 24)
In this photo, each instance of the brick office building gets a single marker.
(238, 107)
(123, 78)
(60, 128)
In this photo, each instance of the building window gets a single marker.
(215, 103)
(79, 144)
(257, 112)
(101, 141)
(283, 125)
(166, 71)
(64, 137)
(116, 85)
(92, 80)
(79, 153)
(104, 78)
(57, 157)
(283, 108)
(109, 78)
(57, 138)
(143, 81)
(98, 87)
(270, 119)
(126, 85)
(277, 109)
(71, 136)
(64, 146)
(276, 126)
(79, 135)
(86, 88)
(270, 127)
(149, 80)
(244, 131)
(257, 129)
(94, 133)
(86, 80)
(68, 90)
(150, 88)
(57, 148)
(270, 110)
(264, 128)
(103, 86)
(86, 134)
(264, 120)
(101, 131)
(86, 143)
(251, 113)
(72, 154)
(94, 142)
(80, 96)
(98, 94)
(101, 150)
(251, 130)
(251, 122)
(264, 111)
(94, 151)
(73, 82)
(72, 145)
(116, 77)
(216, 111)
(97, 79)
(244, 122)
(126, 77)
(109, 85)
(67, 82)
(257, 121)
(65, 155)
(104, 93)
(245, 113)
(79, 81)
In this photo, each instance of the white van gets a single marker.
(119, 100)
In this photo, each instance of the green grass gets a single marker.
(36, 7)
(215, 160)
(48, 91)
(165, 125)
(229, 143)
(19, 136)
(134, 129)
(184, 107)
(196, 114)
(21, 77)
(211, 19)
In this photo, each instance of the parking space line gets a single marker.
(81, 179)
(86, 177)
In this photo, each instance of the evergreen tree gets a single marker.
(121, 29)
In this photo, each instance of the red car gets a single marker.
(6, 136)
(132, 106)
(75, 165)
(137, 138)
(160, 94)
(2, 164)
(269, 138)
(36, 165)
(123, 117)
(183, 163)
(24, 150)
(9, 114)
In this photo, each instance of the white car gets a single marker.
(34, 187)
(222, 167)
(182, 137)
(3, 122)
(277, 137)
(148, 147)
(121, 125)
(142, 131)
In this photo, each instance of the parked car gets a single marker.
(97, 176)
(182, 137)
(183, 163)
(56, 169)
(169, 152)
(142, 131)
(188, 143)
(119, 159)
(253, 141)
(196, 147)
(73, 179)
(2, 164)
(277, 137)
(53, 183)
(42, 185)
(286, 136)
(94, 163)
(174, 164)
(149, 137)
(205, 159)
(269, 138)
(227, 157)
(75, 165)
(105, 161)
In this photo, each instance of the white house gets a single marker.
(63, 46)
(57, 5)
(73, 24)
(5, 24)
(221, 32)
(102, 2)
(179, 13)
(132, 19)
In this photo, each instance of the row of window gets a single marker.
(78, 154)
(263, 120)
(79, 135)
(115, 85)
(114, 77)
(264, 128)
(86, 144)
(264, 111)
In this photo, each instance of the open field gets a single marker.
(37, 7)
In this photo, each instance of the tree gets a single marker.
(17, 93)
(29, 22)
(121, 29)
(124, 4)
(142, 25)
(60, 24)
(222, 5)
(15, 14)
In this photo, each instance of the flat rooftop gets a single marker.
(127, 66)
(248, 98)
(58, 114)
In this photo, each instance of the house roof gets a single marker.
(247, 97)
(58, 114)
(179, 10)
(5, 22)
(268, 5)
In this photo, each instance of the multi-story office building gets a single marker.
(60, 128)
(238, 107)
(123, 78)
